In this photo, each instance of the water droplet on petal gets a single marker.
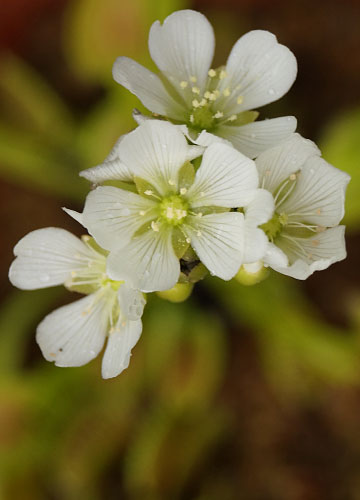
(271, 91)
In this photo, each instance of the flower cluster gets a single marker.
(199, 187)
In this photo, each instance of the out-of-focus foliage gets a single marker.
(179, 423)
(341, 147)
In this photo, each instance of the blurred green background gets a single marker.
(248, 393)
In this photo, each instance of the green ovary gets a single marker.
(202, 118)
(274, 226)
(173, 210)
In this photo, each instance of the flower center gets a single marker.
(274, 226)
(173, 209)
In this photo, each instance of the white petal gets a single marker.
(46, 257)
(75, 215)
(147, 87)
(132, 302)
(118, 350)
(278, 163)
(183, 46)
(226, 178)
(319, 252)
(109, 170)
(256, 137)
(74, 334)
(319, 194)
(206, 138)
(218, 240)
(274, 257)
(260, 209)
(261, 68)
(112, 215)
(147, 263)
(155, 151)
(255, 244)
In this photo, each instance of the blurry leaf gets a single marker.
(296, 346)
(19, 315)
(28, 103)
(96, 33)
(26, 160)
(167, 448)
(341, 147)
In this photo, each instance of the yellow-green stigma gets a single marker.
(274, 226)
(173, 210)
(202, 118)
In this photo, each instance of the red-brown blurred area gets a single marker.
(240, 393)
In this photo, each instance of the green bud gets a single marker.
(251, 274)
(179, 293)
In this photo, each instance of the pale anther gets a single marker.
(195, 90)
(218, 114)
(203, 102)
(171, 182)
(148, 192)
(207, 94)
(188, 240)
(142, 212)
(155, 226)
(232, 118)
(199, 214)
(193, 79)
(212, 73)
(183, 191)
(183, 84)
(292, 177)
(195, 103)
(192, 118)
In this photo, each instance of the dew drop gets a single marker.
(271, 91)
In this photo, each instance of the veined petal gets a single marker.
(74, 334)
(118, 349)
(109, 170)
(278, 163)
(260, 69)
(255, 243)
(112, 215)
(148, 262)
(131, 301)
(260, 209)
(46, 257)
(183, 47)
(307, 255)
(155, 151)
(319, 194)
(226, 178)
(274, 257)
(147, 87)
(256, 137)
(218, 240)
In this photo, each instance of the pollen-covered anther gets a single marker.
(171, 182)
(292, 177)
(192, 118)
(199, 214)
(207, 94)
(183, 84)
(195, 90)
(85, 237)
(193, 79)
(155, 226)
(218, 114)
(212, 73)
(232, 118)
(142, 212)
(203, 102)
(149, 192)
(195, 103)
(183, 191)
(213, 96)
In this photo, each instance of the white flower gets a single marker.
(309, 194)
(75, 334)
(149, 231)
(258, 71)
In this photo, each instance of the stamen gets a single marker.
(218, 114)
(149, 192)
(183, 191)
(183, 84)
(193, 79)
(195, 103)
(223, 74)
(192, 118)
(171, 182)
(232, 118)
(226, 92)
(195, 90)
(199, 214)
(188, 240)
(203, 102)
(207, 94)
(292, 177)
(155, 226)
(212, 73)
